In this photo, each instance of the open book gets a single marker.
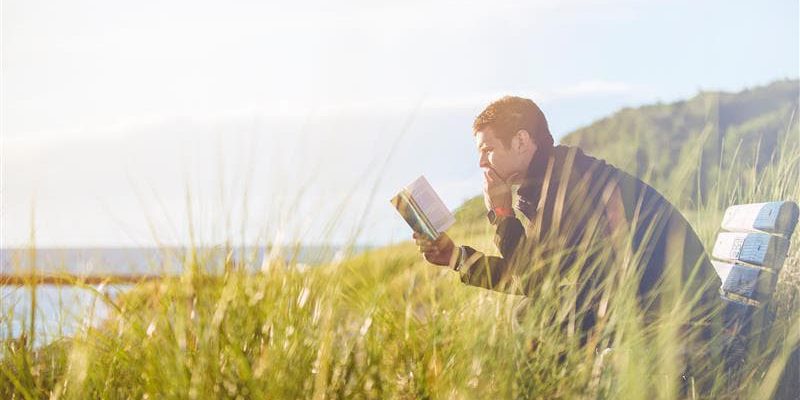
(422, 209)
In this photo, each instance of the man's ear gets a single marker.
(524, 141)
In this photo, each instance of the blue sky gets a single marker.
(111, 110)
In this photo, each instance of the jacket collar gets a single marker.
(529, 190)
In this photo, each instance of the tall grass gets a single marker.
(384, 324)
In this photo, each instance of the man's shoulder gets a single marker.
(563, 151)
(583, 162)
(602, 170)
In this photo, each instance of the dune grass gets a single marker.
(385, 324)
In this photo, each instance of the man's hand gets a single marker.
(437, 252)
(496, 192)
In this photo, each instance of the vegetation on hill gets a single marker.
(736, 131)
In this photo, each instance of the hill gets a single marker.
(713, 131)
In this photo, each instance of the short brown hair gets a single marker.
(508, 115)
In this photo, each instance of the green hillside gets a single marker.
(736, 131)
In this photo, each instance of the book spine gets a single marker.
(403, 204)
(431, 231)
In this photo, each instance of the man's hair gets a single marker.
(508, 115)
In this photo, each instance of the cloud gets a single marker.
(596, 88)
(296, 110)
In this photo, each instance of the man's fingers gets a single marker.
(426, 246)
(493, 177)
(437, 251)
(423, 242)
(494, 184)
(490, 178)
(429, 251)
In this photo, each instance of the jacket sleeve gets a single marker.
(477, 269)
(506, 238)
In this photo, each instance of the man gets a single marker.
(585, 219)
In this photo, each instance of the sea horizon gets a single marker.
(162, 259)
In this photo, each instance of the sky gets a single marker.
(169, 122)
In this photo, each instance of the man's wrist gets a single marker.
(503, 211)
(497, 214)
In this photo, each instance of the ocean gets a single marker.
(64, 310)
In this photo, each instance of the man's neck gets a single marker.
(529, 189)
(522, 176)
(536, 167)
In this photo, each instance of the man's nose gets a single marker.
(483, 162)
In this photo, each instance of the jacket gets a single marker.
(586, 219)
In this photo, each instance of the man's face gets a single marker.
(507, 162)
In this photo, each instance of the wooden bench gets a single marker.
(750, 251)
(748, 255)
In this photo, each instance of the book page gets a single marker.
(430, 204)
(410, 212)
